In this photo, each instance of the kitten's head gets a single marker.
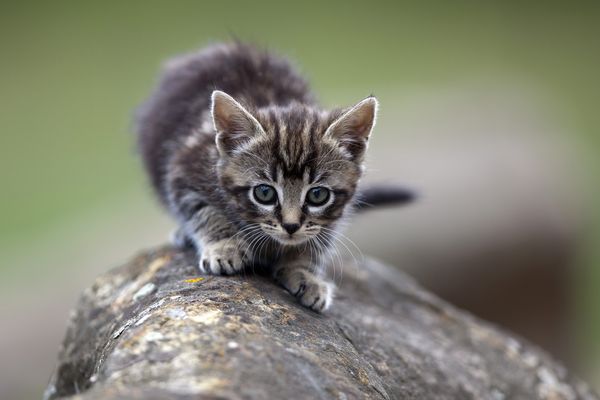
(291, 170)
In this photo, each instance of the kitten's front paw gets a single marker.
(311, 291)
(223, 257)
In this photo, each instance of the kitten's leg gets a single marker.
(301, 277)
(220, 250)
(179, 238)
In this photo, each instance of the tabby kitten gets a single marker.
(250, 166)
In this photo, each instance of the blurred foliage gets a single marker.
(72, 72)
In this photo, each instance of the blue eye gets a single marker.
(317, 196)
(265, 194)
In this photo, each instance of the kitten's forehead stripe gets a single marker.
(306, 176)
(295, 132)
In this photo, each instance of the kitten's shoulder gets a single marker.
(249, 73)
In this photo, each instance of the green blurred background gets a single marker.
(71, 74)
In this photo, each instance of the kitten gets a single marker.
(252, 169)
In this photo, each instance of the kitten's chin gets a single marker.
(290, 241)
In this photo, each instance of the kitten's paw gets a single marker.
(311, 291)
(223, 257)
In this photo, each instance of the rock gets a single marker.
(155, 329)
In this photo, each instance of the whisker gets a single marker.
(362, 257)
(334, 255)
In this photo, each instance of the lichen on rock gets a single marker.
(155, 329)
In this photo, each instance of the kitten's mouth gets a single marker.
(290, 240)
(287, 239)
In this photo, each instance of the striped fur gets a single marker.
(230, 118)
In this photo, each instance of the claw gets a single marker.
(301, 290)
(315, 302)
(222, 258)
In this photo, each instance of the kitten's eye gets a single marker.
(265, 194)
(317, 196)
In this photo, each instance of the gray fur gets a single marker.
(230, 118)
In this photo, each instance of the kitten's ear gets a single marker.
(234, 125)
(353, 128)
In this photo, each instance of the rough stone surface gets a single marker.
(155, 329)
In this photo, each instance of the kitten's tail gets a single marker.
(382, 195)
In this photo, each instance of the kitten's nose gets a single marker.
(291, 228)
